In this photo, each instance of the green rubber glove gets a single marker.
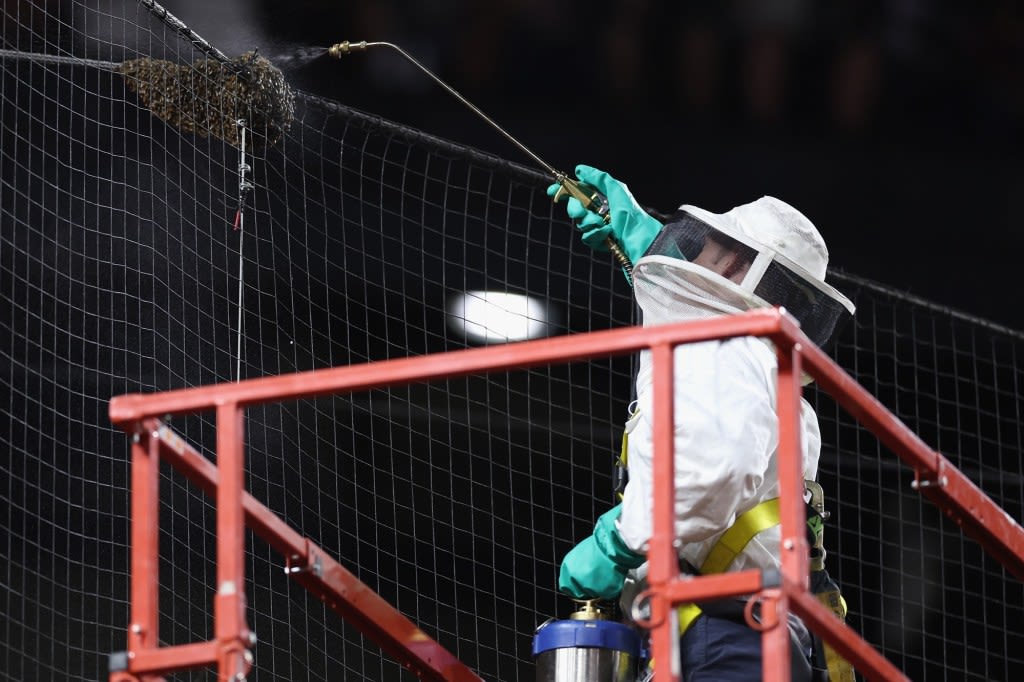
(597, 567)
(630, 225)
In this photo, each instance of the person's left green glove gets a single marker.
(597, 567)
(630, 225)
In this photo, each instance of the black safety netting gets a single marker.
(125, 268)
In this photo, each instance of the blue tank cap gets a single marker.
(562, 634)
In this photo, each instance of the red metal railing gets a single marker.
(138, 414)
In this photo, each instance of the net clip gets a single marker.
(245, 185)
(934, 482)
(308, 563)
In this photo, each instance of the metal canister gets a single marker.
(586, 648)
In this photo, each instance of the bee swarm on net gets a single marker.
(208, 97)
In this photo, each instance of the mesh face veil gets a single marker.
(761, 254)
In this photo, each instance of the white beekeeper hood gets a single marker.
(787, 262)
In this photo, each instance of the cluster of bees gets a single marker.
(208, 97)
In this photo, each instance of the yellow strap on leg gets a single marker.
(688, 613)
(839, 669)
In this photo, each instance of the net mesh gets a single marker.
(455, 500)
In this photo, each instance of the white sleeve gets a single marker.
(725, 439)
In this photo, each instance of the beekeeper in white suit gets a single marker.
(699, 265)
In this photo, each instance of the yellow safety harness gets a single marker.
(734, 540)
(747, 525)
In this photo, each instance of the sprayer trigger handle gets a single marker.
(587, 195)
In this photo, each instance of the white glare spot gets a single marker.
(497, 317)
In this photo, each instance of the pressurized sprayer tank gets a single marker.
(586, 648)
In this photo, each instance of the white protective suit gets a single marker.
(726, 427)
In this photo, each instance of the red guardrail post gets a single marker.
(230, 629)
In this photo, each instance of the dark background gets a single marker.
(895, 125)
(117, 250)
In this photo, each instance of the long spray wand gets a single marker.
(569, 186)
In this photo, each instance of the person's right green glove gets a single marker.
(597, 567)
(630, 225)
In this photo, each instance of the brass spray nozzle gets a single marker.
(591, 609)
(337, 50)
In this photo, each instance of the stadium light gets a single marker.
(498, 317)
